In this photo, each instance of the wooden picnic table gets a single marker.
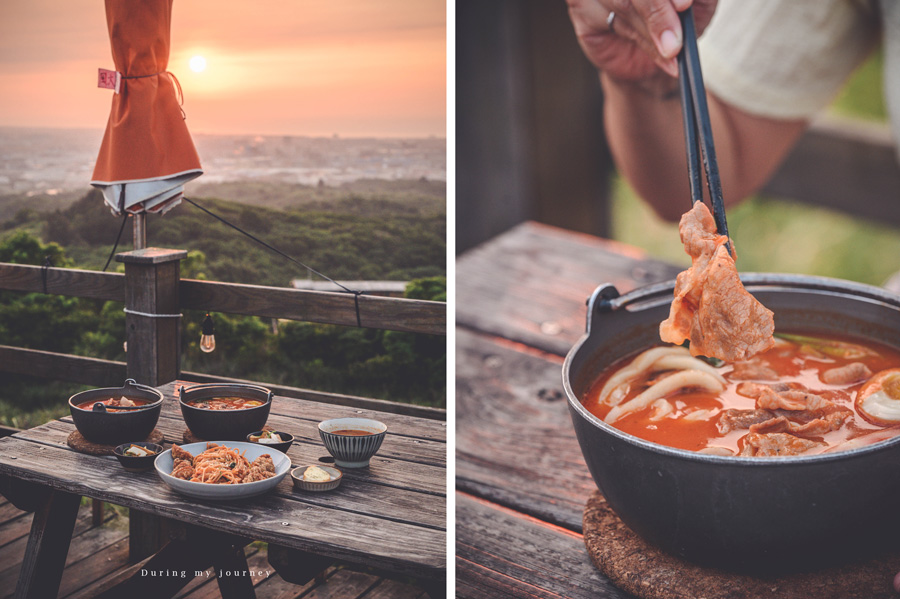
(521, 482)
(390, 516)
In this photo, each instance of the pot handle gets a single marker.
(606, 298)
(133, 384)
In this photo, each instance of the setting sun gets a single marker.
(198, 64)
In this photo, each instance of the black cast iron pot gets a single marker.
(225, 425)
(753, 515)
(114, 428)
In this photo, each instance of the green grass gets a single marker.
(862, 97)
(773, 236)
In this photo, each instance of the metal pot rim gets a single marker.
(606, 298)
(235, 388)
(130, 385)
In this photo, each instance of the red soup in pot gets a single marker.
(112, 403)
(804, 396)
(225, 403)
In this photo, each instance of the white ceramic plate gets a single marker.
(251, 451)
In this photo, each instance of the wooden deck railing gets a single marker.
(396, 314)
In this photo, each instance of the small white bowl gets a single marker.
(316, 486)
(352, 451)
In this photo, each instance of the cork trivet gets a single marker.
(641, 569)
(190, 437)
(76, 441)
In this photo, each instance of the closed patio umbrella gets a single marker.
(147, 154)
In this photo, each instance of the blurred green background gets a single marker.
(777, 235)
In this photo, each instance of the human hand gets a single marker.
(646, 35)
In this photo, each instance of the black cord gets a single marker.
(116, 245)
(122, 228)
(345, 289)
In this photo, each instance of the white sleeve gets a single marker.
(785, 58)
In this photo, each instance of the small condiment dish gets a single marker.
(286, 440)
(137, 463)
(352, 441)
(316, 486)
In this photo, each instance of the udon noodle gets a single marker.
(806, 395)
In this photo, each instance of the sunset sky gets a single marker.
(285, 67)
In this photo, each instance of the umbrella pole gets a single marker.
(140, 231)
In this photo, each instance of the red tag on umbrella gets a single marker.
(109, 79)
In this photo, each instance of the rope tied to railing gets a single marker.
(151, 315)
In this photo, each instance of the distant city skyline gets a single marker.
(49, 160)
(354, 68)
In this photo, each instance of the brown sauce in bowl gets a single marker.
(350, 432)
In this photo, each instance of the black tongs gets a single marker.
(694, 111)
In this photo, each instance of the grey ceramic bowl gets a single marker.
(352, 451)
(317, 487)
(743, 514)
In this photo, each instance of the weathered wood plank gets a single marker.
(63, 281)
(385, 489)
(109, 583)
(419, 478)
(62, 367)
(85, 541)
(862, 176)
(344, 584)
(395, 314)
(48, 544)
(503, 554)
(335, 399)
(393, 589)
(381, 543)
(530, 285)
(205, 586)
(515, 443)
(94, 567)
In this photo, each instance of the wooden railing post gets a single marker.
(153, 334)
(153, 328)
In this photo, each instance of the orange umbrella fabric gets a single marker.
(147, 151)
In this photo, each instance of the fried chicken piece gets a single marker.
(261, 469)
(711, 308)
(180, 454)
(183, 463)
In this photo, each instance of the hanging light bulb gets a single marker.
(207, 336)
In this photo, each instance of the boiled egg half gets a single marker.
(878, 401)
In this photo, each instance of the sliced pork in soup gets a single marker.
(711, 308)
(805, 395)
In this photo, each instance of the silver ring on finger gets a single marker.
(611, 21)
